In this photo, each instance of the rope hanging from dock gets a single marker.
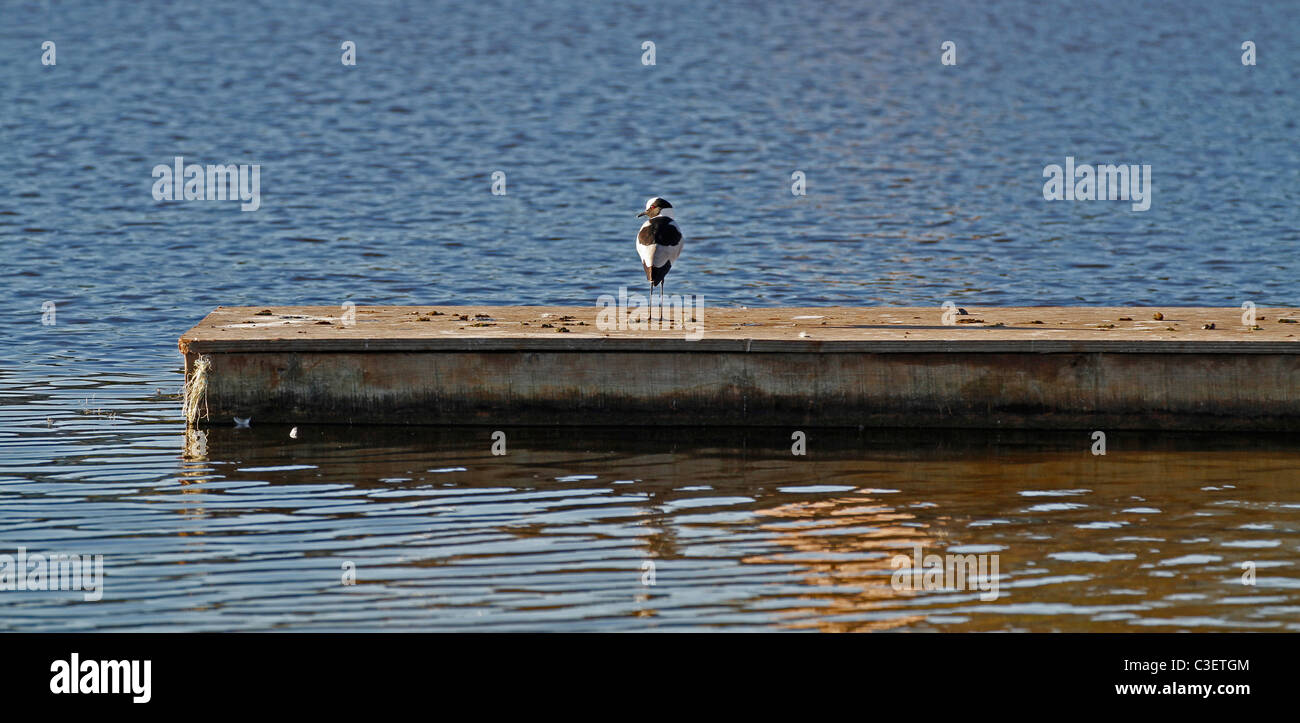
(196, 391)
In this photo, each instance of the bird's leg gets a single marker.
(650, 312)
(662, 283)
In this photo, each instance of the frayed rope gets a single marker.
(196, 391)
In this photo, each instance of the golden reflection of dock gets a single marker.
(853, 557)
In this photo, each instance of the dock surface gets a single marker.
(1023, 367)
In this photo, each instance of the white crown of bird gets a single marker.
(665, 208)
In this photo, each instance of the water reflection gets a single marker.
(845, 546)
(254, 533)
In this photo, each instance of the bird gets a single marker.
(658, 243)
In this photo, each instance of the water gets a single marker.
(924, 184)
(443, 535)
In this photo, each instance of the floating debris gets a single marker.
(1284, 320)
(1208, 326)
(1126, 318)
(1158, 316)
(293, 433)
(1036, 321)
(1105, 326)
(970, 321)
(264, 312)
(561, 330)
(326, 323)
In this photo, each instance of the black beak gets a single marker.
(639, 215)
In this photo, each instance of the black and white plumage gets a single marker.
(658, 243)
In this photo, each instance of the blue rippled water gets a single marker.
(924, 184)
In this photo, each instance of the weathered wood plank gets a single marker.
(783, 367)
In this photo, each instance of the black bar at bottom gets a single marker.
(236, 673)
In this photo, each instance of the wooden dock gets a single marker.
(1032, 368)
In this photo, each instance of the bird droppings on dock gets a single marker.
(833, 323)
